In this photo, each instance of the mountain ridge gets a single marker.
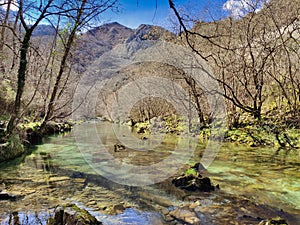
(99, 40)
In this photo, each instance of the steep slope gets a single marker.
(118, 67)
(92, 44)
(138, 40)
(150, 33)
(43, 30)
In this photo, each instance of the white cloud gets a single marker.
(14, 6)
(239, 8)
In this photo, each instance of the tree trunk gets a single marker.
(21, 82)
(192, 84)
(62, 67)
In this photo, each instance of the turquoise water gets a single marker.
(263, 174)
(84, 168)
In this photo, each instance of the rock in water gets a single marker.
(198, 167)
(119, 147)
(275, 221)
(193, 183)
(185, 216)
(9, 196)
(72, 214)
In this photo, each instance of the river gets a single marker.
(133, 185)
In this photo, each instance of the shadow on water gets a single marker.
(36, 210)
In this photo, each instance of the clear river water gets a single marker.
(88, 167)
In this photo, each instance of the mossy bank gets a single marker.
(27, 134)
(252, 133)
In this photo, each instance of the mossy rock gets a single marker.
(11, 149)
(72, 214)
(54, 128)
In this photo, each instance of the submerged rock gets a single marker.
(119, 147)
(185, 216)
(117, 209)
(274, 221)
(193, 183)
(7, 196)
(71, 214)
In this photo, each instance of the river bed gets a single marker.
(84, 167)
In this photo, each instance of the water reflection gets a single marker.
(43, 161)
(25, 218)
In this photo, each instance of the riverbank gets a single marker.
(264, 133)
(27, 134)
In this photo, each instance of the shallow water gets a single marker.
(84, 168)
(263, 174)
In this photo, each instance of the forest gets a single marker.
(194, 123)
(254, 59)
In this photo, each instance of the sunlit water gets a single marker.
(83, 167)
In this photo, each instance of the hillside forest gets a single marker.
(46, 47)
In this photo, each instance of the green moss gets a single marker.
(264, 135)
(12, 148)
(4, 117)
(274, 221)
(83, 216)
(142, 127)
(30, 125)
(252, 132)
(190, 171)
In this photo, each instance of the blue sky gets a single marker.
(145, 12)
(132, 13)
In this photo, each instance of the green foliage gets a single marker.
(175, 124)
(142, 127)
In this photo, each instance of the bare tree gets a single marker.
(76, 15)
(3, 29)
(246, 53)
(23, 58)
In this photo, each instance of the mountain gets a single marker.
(92, 44)
(116, 67)
(110, 33)
(44, 30)
(150, 33)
